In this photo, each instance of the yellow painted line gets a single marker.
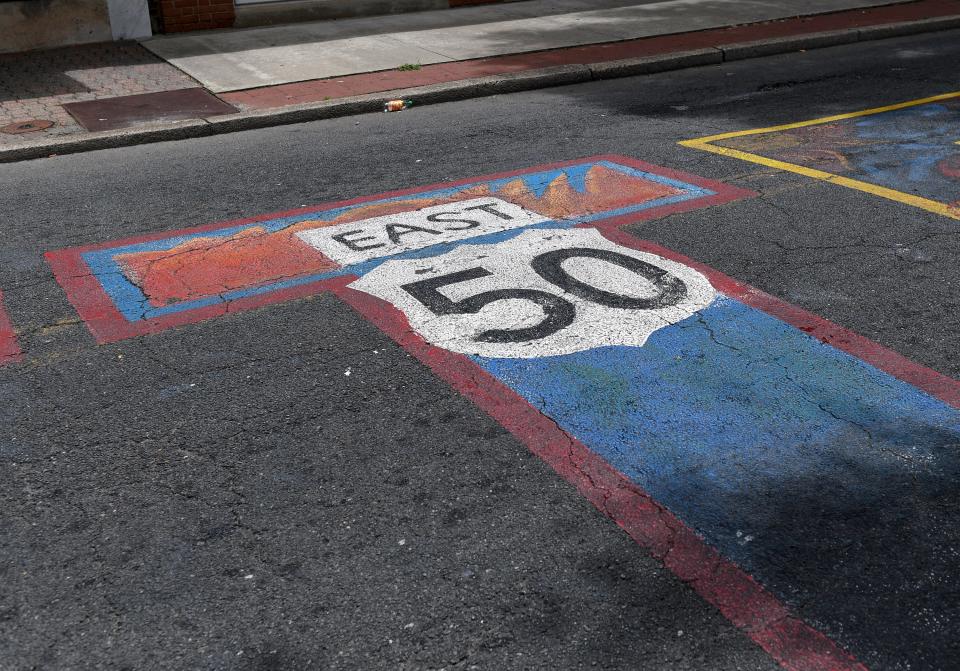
(704, 143)
(828, 119)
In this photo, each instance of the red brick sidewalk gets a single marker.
(373, 82)
(35, 85)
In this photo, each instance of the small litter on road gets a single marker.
(396, 105)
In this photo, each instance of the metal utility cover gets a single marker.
(126, 111)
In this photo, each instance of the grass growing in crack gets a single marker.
(406, 67)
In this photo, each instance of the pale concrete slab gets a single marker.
(510, 37)
(240, 59)
(248, 68)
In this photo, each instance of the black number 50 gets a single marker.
(558, 312)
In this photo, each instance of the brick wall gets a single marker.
(181, 15)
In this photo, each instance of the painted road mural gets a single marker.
(769, 458)
(141, 285)
(9, 347)
(908, 152)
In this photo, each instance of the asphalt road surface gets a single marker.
(287, 488)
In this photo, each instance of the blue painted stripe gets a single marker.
(829, 480)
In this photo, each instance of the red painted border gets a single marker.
(740, 599)
(9, 348)
(107, 324)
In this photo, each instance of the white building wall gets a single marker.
(44, 24)
(129, 19)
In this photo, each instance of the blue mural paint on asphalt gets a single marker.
(912, 149)
(816, 472)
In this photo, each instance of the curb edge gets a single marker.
(471, 88)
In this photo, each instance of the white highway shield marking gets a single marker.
(542, 293)
(373, 238)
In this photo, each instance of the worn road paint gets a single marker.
(802, 452)
(904, 152)
(389, 235)
(766, 456)
(141, 285)
(578, 322)
(9, 348)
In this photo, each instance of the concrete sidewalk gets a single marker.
(562, 45)
(244, 59)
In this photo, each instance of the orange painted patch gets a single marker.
(208, 266)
